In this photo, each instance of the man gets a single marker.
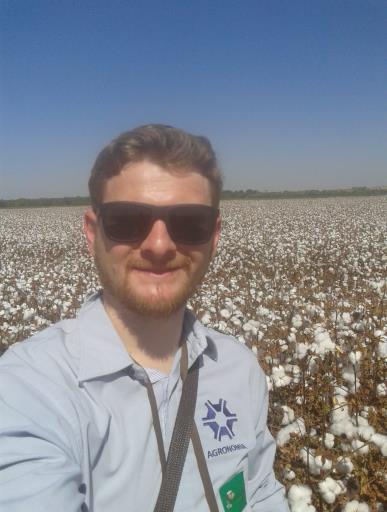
(78, 431)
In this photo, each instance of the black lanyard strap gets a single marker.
(203, 470)
(184, 429)
(156, 425)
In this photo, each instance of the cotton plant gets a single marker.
(301, 283)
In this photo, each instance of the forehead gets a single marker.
(148, 182)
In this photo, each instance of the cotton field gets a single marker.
(303, 283)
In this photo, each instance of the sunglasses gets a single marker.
(191, 224)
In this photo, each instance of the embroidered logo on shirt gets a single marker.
(220, 419)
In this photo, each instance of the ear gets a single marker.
(90, 227)
(215, 239)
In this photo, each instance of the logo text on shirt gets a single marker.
(225, 449)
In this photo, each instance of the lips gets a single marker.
(157, 271)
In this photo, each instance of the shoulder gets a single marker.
(47, 353)
(231, 352)
(38, 391)
(39, 376)
(227, 346)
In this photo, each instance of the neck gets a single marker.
(151, 341)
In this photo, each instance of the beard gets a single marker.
(163, 299)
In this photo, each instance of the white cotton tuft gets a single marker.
(355, 357)
(315, 463)
(300, 499)
(360, 446)
(355, 506)
(297, 321)
(28, 314)
(288, 416)
(344, 465)
(329, 440)
(283, 435)
(366, 432)
(382, 348)
(269, 383)
(289, 474)
(279, 377)
(322, 342)
(330, 489)
(301, 350)
(206, 318)
(381, 442)
(381, 389)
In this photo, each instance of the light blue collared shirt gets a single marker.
(76, 431)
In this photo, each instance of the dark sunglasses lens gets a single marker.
(192, 224)
(126, 222)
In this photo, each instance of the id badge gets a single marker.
(233, 494)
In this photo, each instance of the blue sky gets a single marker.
(291, 93)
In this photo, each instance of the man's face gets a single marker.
(156, 276)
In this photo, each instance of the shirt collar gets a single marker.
(102, 350)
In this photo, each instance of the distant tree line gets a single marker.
(44, 201)
(226, 194)
(293, 194)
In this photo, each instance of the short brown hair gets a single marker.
(164, 145)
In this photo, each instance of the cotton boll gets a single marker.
(381, 389)
(249, 328)
(269, 383)
(339, 393)
(225, 313)
(28, 314)
(322, 342)
(382, 348)
(279, 377)
(359, 446)
(354, 357)
(380, 441)
(300, 499)
(206, 318)
(330, 489)
(235, 321)
(283, 435)
(344, 465)
(289, 474)
(297, 321)
(315, 464)
(349, 375)
(355, 506)
(301, 350)
(366, 432)
(329, 440)
(324, 464)
(288, 416)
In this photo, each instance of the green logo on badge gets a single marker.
(233, 494)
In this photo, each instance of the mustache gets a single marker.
(168, 266)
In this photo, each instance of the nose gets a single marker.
(158, 245)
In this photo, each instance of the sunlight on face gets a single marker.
(156, 276)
